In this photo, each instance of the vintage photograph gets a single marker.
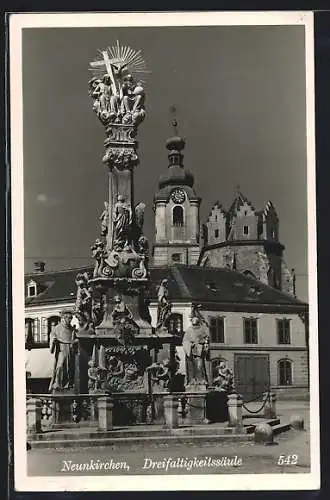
(164, 251)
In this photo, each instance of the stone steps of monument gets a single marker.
(135, 431)
(142, 442)
(282, 427)
(150, 436)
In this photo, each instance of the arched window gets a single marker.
(176, 324)
(178, 215)
(176, 257)
(284, 370)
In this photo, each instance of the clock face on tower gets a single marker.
(178, 195)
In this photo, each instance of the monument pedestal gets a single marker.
(196, 403)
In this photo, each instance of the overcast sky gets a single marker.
(240, 94)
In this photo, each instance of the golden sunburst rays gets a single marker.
(121, 57)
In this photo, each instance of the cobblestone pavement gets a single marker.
(292, 446)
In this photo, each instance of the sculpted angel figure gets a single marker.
(104, 218)
(164, 306)
(121, 223)
(99, 254)
(83, 307)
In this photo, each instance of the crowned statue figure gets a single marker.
(195, 344)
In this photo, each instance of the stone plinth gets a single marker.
(105, 407)
(297, 422)
(270, 405)
(171, 405)
(196, 404)
(235, 404)
(34, 415)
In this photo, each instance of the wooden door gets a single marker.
(251, 375)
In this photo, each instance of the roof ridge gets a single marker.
(68, 270)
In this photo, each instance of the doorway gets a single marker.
(252, 375)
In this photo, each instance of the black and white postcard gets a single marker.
(165, 332)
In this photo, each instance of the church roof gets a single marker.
(212, 287)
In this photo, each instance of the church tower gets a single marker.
(176, 207)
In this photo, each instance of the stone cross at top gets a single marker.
(107, 63)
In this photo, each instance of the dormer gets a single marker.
(31, 289)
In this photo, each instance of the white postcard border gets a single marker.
(23, 482)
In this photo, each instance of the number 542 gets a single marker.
(287, 460)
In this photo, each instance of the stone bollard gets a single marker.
(270, 405)
(34, 415)
(171, 405)
(235, 403)
(105, 406)
(263, 434)
(297, 422)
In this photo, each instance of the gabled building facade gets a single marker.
(247, 241)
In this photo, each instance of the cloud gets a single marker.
(47, 201)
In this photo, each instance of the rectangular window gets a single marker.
(246, 230)
(217, 330)
(250, 330)
(216, 233)
(283, 331)
(37, 334)
(176, 257)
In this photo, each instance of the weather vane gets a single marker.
(174, 121)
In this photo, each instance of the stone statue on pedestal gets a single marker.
(121, 223)
(196, 347)
(62, 344)
(164, 306)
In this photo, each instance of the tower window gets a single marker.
(217, 330)
(216, 233)
(176, 257)
(250, 331)
(246, 230)
(178, 216)
(284, 370)
(283, 331)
